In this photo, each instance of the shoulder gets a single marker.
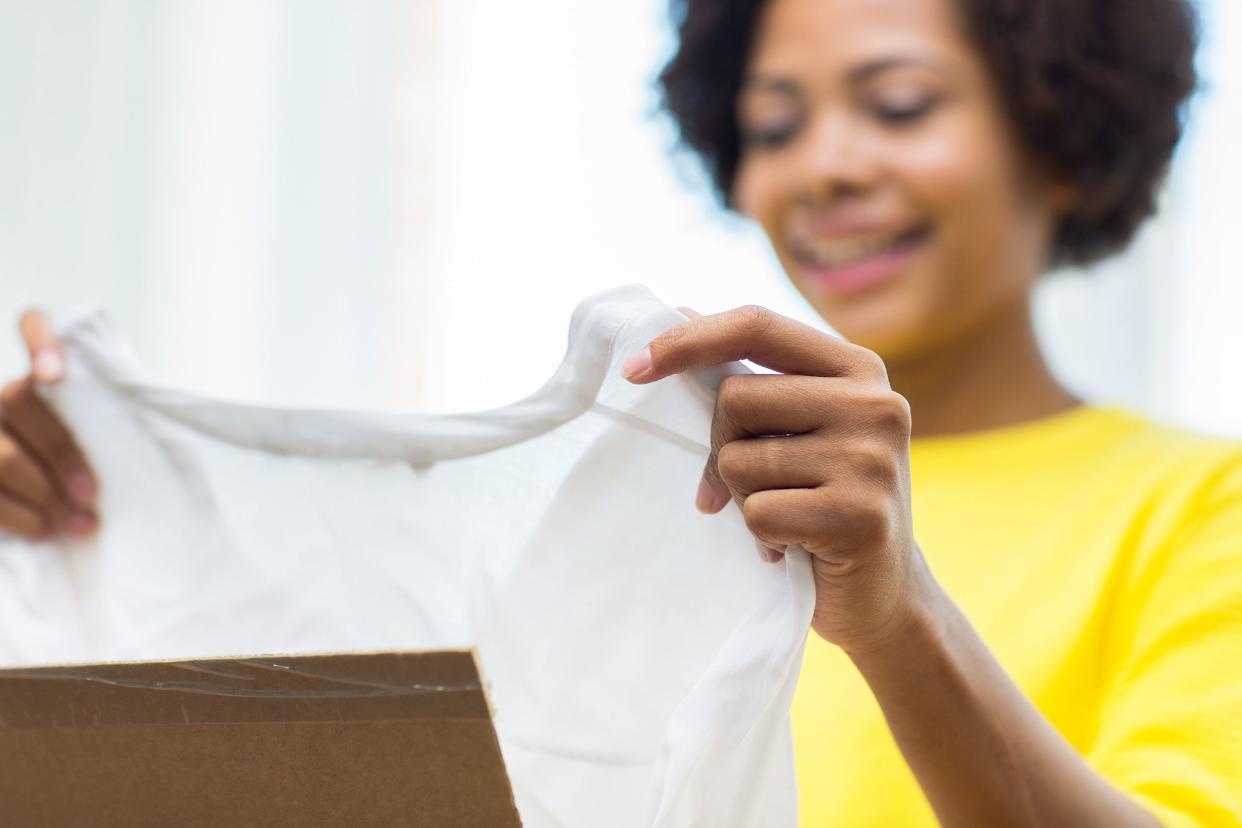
(1175, 467)
(1185, 491)
(1169, 725)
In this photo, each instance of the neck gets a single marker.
(996, 376)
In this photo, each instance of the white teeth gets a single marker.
(837, 252)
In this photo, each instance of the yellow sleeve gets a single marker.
(1171, 726)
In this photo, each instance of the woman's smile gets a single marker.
(847, 264)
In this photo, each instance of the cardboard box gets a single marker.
(393, 739)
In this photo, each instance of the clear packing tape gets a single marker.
(307, 688)
(640, 657)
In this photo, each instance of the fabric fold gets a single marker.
(641, 657)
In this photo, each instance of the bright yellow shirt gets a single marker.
(1099, 555)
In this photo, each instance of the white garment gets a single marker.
(641, 657)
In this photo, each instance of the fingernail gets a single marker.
(81, 485)
(48, 365)
(637, 364)
(769, 554)
(708, 500)
(82, 524)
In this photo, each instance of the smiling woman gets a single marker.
(1029, 607)
(1000, 137)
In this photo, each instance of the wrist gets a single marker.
(918, 628)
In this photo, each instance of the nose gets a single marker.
(837, 161)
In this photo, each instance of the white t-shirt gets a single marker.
(641, 657)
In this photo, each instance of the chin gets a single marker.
(896, 320)
(893, 330)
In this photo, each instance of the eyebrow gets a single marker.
(758, 82)
(876, 67)
(761, 83)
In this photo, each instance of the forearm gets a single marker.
(983, 754)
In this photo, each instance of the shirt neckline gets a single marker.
(1046, 433)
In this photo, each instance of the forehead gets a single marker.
(794, 36)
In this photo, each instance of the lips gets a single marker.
(847, 265)
(825, 252)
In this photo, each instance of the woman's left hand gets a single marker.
(818, 456)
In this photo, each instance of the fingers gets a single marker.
(753, 333)
(21, 477)
(782, 518)
(757, 405)
(19, 518)
(47, 358)
(29, 504)
(41, 433)
(749, 466)
(739, 468)
(45, 482)
(713, 494)
(779, 519)
(829, 523)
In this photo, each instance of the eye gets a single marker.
(905, 112)
(768, 137)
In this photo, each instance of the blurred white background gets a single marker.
(397, 204)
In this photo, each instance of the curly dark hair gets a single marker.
(1095, 88)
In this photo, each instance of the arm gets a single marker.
(980, 750)
(819, 456)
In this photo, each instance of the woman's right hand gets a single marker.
(46, 486)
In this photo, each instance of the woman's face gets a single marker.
(880, 163)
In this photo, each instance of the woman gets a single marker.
(1032, 610)
(1029, 609)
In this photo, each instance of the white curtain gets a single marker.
(346, 203)
(1159, 328)
(245, 185)
(1198, 378)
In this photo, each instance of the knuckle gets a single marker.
(875, 463)
(730, 392)
(903, 417)
(870, 362)
(894, 413)
(754, 319)
(868, 517)
(669, 339)
(730, 463)
(759, 514)
(888, 412)
(666, 345)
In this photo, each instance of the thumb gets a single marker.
(713, 494)
(47, 358)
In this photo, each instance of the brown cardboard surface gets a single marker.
(394, 739)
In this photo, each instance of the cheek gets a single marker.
(956, 175)
(758, 193)
(965, 181)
